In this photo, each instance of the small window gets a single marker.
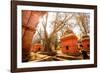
(81, 45)
(88, 45)
(67, 47)
(39, 49)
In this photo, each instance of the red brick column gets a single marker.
(30, 19)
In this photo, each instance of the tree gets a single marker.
(83, 22)
(50, 40)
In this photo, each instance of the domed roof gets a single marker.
(85, 37)
(68, 34)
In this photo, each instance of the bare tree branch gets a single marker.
(83, 23)
(60, 24)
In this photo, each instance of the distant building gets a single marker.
(36, 47)
(85, 41)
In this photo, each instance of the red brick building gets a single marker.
(69, 43)
(36, 47)
(85, 41)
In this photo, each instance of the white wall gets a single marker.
(5, 36)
